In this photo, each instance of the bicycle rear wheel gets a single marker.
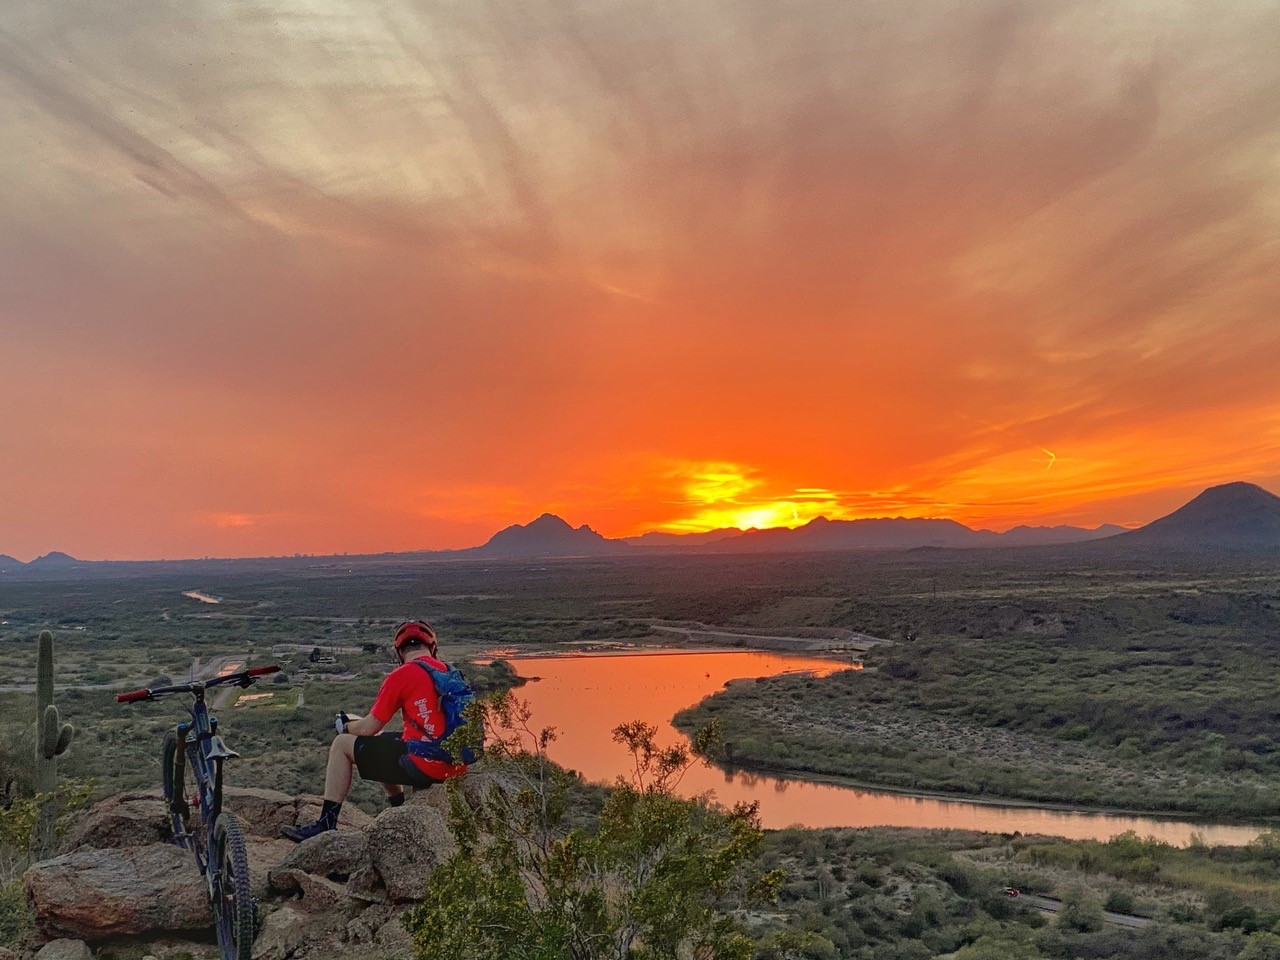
(233, 906)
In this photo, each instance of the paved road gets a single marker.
(1050, 905)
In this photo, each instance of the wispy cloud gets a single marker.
(885, 253)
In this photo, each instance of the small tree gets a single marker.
(1080, 913)
(653, 877)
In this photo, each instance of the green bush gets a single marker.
(16, 918)
(1119, 901)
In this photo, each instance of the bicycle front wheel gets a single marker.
(233, 906)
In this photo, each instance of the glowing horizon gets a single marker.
(372, 277)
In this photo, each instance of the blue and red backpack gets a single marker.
(455, 696)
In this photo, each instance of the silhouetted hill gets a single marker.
(549, 536)
(10, 564)
(886, 533)
(55, 560)
(1233, 516)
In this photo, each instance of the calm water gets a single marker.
(584, 698)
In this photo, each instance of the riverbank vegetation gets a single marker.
(1146, 690)
(885, 894)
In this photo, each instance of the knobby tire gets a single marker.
(233, 908)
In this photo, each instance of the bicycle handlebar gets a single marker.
(244, 678)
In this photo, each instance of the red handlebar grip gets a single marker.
(260, 671)
(132, 695)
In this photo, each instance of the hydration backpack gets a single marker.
(455, 696)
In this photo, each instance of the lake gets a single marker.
(585, 697)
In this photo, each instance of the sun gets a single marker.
(722, 495)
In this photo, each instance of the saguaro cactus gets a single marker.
(52, 739)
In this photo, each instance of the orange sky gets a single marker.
(356, 276)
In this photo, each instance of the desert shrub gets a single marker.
(16, 918)
(1119, 901)
(650, 878)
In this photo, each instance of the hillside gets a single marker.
(899, 533)
(1233, 516)
(8, 563)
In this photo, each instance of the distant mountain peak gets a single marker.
(1237, 492)
(549, 535)
(1232, 516)
(549, 521)
(54, 558)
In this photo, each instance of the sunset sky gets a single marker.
(332, 275)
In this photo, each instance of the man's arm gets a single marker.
(366, 726)
(384, 708)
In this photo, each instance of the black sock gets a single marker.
(329, 813)
(395, 799)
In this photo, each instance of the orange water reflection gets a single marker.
(585, 697)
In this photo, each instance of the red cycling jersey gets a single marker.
(410, 690)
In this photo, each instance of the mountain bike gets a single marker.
(191, 767)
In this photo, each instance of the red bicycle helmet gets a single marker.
(418, 630)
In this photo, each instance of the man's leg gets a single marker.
(342, 761)
(337, 784)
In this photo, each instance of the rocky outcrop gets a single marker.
(319, 895)
(93, 894)
(339, 895)
(140, 818)
(282, 933)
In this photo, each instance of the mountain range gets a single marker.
(1240, 517)
(551, 536)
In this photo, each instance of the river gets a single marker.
(585, 697)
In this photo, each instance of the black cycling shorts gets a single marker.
(385, 759)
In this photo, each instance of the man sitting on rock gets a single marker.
(387, 759)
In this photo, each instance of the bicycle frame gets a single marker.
(201, 747)
(205, 751)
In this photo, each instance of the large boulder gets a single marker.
(93, 894)
(405, 845)
(64, 950)
(124, 820)
(261, 812)
(335, 855)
